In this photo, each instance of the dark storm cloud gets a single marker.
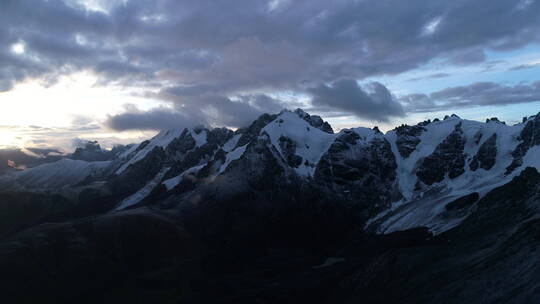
(218, 109)
(376, 103)
(218, 50)
(476, 94)
(159, 118)
(189, 111)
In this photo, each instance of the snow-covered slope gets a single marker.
(174, 181)
(298, 142)
(138, 196)
(63, 173)
(138, 152)
(424, 205)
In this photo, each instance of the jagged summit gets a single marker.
(315, 121)
(92, 151)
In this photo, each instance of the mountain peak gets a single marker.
(315, 121)
(92, 151)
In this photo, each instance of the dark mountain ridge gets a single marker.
(283, 211)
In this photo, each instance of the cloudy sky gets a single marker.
(117, 70)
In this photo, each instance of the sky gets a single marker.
(117, 71)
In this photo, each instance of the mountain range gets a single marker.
(283, 211)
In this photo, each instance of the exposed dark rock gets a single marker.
(494, 119)
(182, 144)
(183, 153)
(219, 136)
(315, 121)
(138, 174)
(408, 137)
(478, 137)
(424, 123)
(451, 116)
(486, 156)
(92, 152)
(192, 158)
(529, 137)
(288, 149)
(448, 158)
(251, 133)
(462, 202)
(359, 169)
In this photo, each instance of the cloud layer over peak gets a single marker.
(373, 103)
(221, 61)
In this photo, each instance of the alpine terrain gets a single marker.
(285, 210)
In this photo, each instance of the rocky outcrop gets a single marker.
(529, 137)
(251, 133)
(92, 151)
(138, 174)
(462, 202)
(288, 150)
(315, 121)
(361, 168)
(181, 145)
(447, 159)
(486, 156)
(192, 155)
(408, 137)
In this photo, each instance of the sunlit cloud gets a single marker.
(18, 48)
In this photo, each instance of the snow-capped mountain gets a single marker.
(53, 176)
(409, 177)
(286, 208)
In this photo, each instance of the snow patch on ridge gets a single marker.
(142, 193)
(231, 156)
(200, 138)
(62, 173)
(163, 139)
(231, 144)
(174, 181)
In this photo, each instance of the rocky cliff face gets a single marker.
(360, 165)
(529, 137)
(91, 151)
(486, 156)
(447, 159)
(408, 137)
